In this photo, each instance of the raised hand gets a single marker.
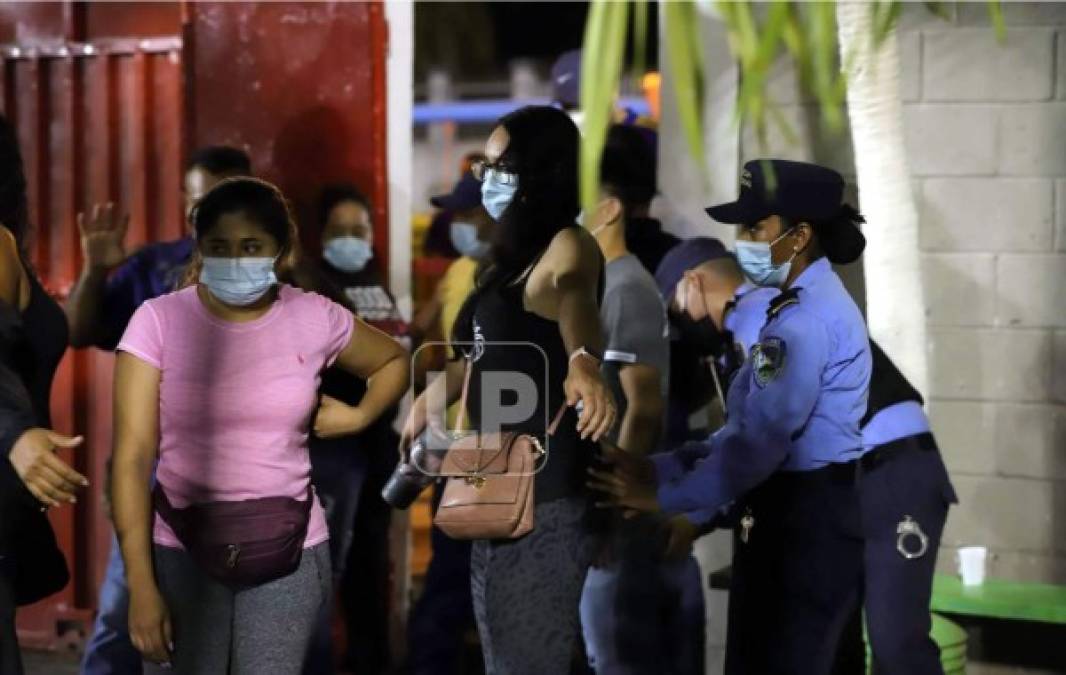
(103, 236)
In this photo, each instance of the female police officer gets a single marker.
(788, 451)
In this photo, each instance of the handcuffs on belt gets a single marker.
(908, 527)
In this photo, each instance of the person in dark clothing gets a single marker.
(349, 472)
(444, 611)
(904, 500)
(645, 237)
(647, 240)
(113, 285)
(542, 287)
(32, 477)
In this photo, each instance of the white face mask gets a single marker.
(348, 254)
(756, 259)
(465, 240)
(498, 191)
(594, 229)
(238, 282)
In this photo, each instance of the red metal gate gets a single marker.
(97, 122)
(301, 86)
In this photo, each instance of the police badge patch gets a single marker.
(767, 360)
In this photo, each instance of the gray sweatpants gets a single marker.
(263, 629)
(526, 592)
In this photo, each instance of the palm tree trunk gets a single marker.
(895, 306)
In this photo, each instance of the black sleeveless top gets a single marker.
(31, 558)
(888, 386)
(500, 316)
(45, 328)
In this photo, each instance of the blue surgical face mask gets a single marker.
(465, 240)
(238, 282)
(498, 191)
(348, 254)
(756, 259)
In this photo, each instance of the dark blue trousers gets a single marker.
(444, 611)
(797, 577)
(338, 469)
(906, 484)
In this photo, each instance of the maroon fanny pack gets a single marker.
(242, 543)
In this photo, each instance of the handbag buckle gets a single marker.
(477, 480)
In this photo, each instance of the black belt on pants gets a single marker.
(883, 453)
(838, 473)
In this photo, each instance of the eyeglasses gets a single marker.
(503, 173)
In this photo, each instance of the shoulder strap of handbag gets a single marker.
(461, 415)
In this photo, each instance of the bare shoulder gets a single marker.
(572, 249)
(12, 274)
(9, 250)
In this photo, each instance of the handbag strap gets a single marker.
(461, 416)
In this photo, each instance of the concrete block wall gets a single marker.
(991, 208)
(985, 132)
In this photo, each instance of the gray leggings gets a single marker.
(526, 592)
(263, 629)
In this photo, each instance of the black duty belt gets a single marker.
(897, 448)
(837, 473)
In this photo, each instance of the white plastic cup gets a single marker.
(972, 560)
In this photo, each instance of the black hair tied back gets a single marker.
(841, 237)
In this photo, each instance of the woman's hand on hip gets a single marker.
(150, 628)
(336, 418)
(584, 383)
(46, 476)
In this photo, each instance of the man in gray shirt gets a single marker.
(636, 362)
(631, 608)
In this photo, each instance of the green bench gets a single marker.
(1044, 603)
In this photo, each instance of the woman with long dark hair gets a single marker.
(32, 478)
(219, 382)
(541, 288)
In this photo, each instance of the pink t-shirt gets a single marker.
(236, 400)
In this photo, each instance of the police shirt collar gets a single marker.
(743, 289)
(817, 269)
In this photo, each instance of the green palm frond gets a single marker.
(995, 15)
(601, 67)
(685, 55)
(758, 33)
(640, 40)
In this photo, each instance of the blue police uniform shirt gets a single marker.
(153, 271)
(744, 321)
(893, 423)
(748, 315)
(796, 403)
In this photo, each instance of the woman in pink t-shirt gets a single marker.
(218, 381)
